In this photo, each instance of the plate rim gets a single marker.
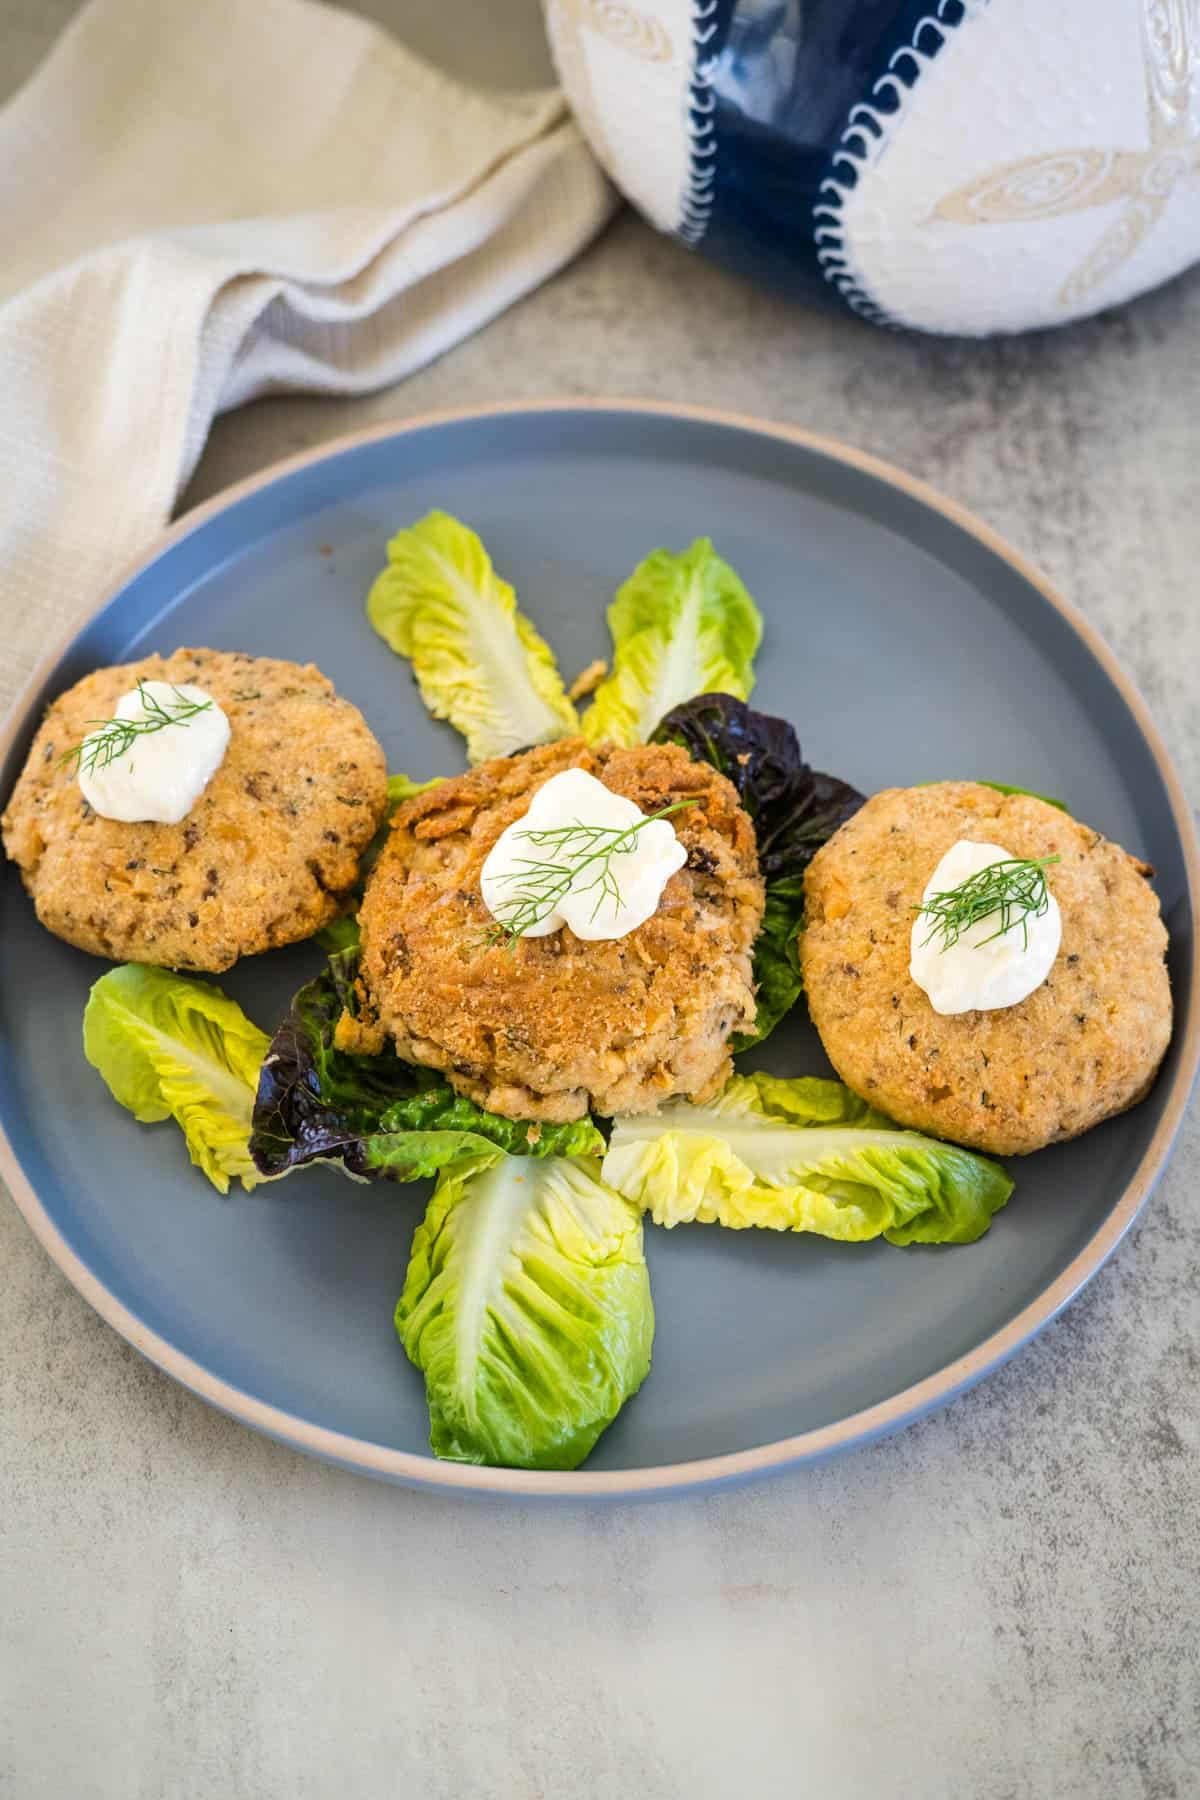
(859, 1428)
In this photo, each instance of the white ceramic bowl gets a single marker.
(960, 166)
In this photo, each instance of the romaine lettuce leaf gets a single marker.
(801, 1100)
(681, 625)
(340, 934)
(374, 1115)
(172, 1047)
(403, 787)
(527, 1306)
(795, 810)
(802, 1156)
(778, 982)
(478, 661)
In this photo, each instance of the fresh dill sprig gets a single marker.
(1014, 889)
(111, 738)
(576, 850)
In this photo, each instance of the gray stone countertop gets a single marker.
(998, 1604)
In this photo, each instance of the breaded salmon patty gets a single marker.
(555, 1026)
(264, 857)
(1084, 1045)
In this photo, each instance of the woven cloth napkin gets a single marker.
(205, 201)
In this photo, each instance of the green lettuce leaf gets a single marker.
(527, 1306)
(800, 1100)
(681, 625)
(171, 1047)
(340, 934)
(778, 982)
(478, 661)
(802, 1155)
(403, 787)
(375, 1115)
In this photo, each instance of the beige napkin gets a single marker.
(204, 201)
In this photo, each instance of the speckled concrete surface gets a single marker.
(998, 1605)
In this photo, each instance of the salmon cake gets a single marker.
(1084, 1045)
(553, 1027)
(264, 857)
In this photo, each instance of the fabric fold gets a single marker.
(208, 204)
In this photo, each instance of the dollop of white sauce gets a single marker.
(641, 869)
(163, 773)
(974, 975)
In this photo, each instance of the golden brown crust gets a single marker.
(263, 858)
(1083, 1046)
(555, 1027)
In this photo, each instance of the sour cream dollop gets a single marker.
(640, 869)
(163, 773)
(973, 975)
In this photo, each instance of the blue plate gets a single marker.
(905, 642)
